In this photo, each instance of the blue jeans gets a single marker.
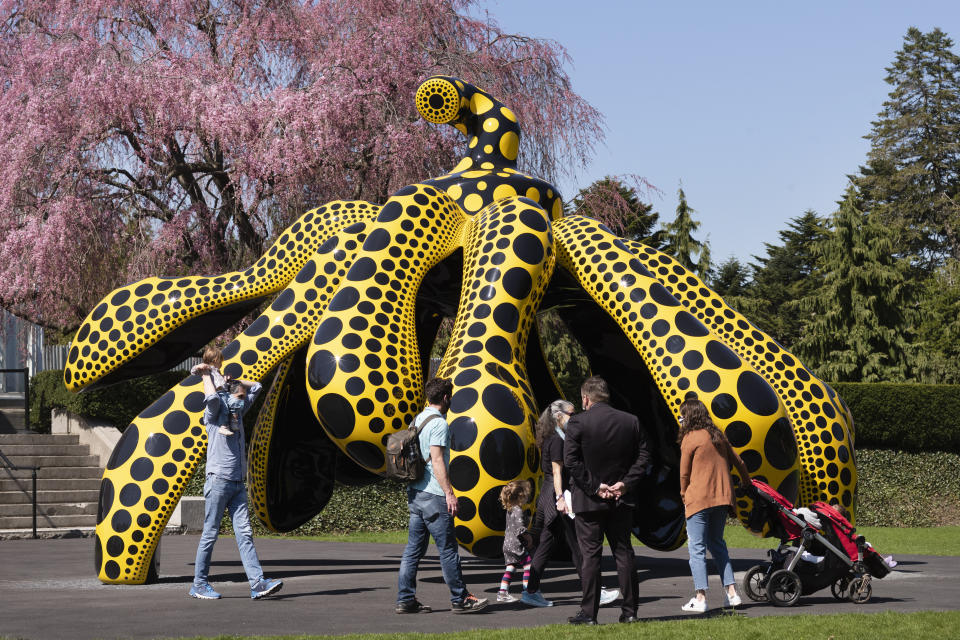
(429, 517)
(220, 494)
(705, 531)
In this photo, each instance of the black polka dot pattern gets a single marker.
(493, 413)
(679, 349)
(363, 364)
(135, 317)
(812, 408)
(160, 450)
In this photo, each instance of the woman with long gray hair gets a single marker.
(551, 504)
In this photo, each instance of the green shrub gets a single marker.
(901, 489)
(908, 417)
(381, 506)
(118, 404)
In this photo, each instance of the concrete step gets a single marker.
(9, 439)
(84, 471)
(25, 522)
(13, 450)
(54, 461)
(58, 484)
(60, 509)
(49, 497)
(11, 400)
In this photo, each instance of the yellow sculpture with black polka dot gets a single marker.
(680, 351)
(508, 261)
(116, 341)
(160, 450)
(363, 364)
(821, 426)
(361, 375)
(488, 172)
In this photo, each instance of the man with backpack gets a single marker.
(432, 506)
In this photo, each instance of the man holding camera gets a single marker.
(225, 486)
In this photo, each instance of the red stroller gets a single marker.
(809, 558)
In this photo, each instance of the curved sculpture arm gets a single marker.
(492, 128)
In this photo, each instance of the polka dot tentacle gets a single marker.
(160, 450)
(508, 261)
(680, 352)
(132, 318)
(363, 364)
(820, 423)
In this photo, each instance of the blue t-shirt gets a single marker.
(226, 455)
(437, 434)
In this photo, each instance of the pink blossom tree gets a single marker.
(161, 137)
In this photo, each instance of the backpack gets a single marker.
(405, 461)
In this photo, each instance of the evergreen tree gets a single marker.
(938, 358)
(680, 243)
(730, 279)
(784, 276)
(859, 318)
(912, 177)
(618, 206)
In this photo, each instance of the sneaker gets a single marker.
(608, 595)
(470, 604)
(733, 601)
(503, 596)
(204, 592)
(582, 618)
(412, 606)
(264, 588)
(535, 599)
(695, 606)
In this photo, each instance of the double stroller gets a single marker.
(818, 548)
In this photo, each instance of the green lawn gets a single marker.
(855, 626)
(930, 541)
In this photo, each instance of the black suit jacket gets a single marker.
(604, 445)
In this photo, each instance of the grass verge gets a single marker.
(850, 626)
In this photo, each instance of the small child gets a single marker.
(212, 361)
(842, 510)
(513, 496)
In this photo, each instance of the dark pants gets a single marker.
(615, 524)
(549, 537)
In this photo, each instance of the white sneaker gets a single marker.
(608, 595)
(695, 606)
(503, 596)
(733, 601)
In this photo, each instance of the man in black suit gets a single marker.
(607, 454)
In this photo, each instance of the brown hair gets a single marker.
(212, 356)
(515, 493)
(547, 423)
(437, 388)
(694, 416)
(596, 389)
(842, 510)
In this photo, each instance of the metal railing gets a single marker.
(6, 464)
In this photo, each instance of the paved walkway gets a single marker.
(49, 591)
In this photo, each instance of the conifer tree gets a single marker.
(680, 243)
(784, 276)
(912, 177)
(859, 318)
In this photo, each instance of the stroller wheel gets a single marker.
(860, 589)
(783, 588)
(839, 587)
(755, 582)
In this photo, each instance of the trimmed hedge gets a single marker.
(118, 404)
(907, 417)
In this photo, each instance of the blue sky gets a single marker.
(759, 108)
